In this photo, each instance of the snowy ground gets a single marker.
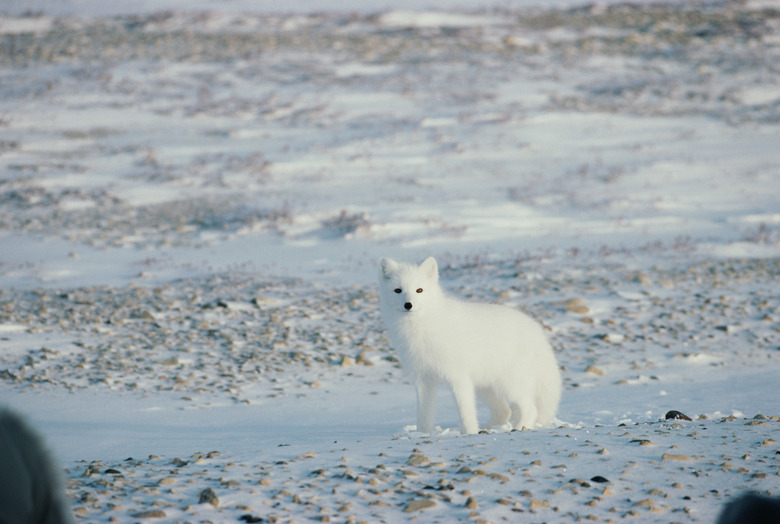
(192, 206)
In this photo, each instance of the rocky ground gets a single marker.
(232, 338)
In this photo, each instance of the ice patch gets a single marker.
(433, 19)
(760, 95)
(20, 25)
(12, 328)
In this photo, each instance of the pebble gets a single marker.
(149, 514)
(419, 505)
(207, 496)
(671, 456)
(594, 370)
(417, 460)
(676, 415)
(576, 305)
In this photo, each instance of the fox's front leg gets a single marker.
(465, 398)
(426, 404)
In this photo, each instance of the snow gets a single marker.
(194, 200)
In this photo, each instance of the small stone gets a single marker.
(676, 415)
(593, 369)
(207, 496)
(538, 504)
(149, 514)
(599, 479)
(419, 505)
(471, 503)
(642, 442)
(363, 359)
(644, 503)
(670, 456)
(576, 305)
(499, 477)
(417, 459)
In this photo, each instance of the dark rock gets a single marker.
(250, 518)
(676, 415)
(207, 496)
(599, 479)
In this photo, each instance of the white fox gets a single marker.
(486, 351)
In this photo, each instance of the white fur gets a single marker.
(486, 351)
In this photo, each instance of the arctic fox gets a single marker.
(486, 351)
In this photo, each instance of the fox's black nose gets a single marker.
(408, 306)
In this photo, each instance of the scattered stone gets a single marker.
(417, 459)
(149, 514)
(599, 479)
(419, 505)
(207, 496)
(593, 369)
(471, 503)
(576, 305)
(670, 456)
(536, 504)
(499, 477)
(676, 415)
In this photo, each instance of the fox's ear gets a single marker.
(430, 268)
(388, 267)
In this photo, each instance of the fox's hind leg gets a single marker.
(499, 409)
(524, 410)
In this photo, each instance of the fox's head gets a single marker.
(408, 288)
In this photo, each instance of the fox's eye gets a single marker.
(419, 290)
(397, 290)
